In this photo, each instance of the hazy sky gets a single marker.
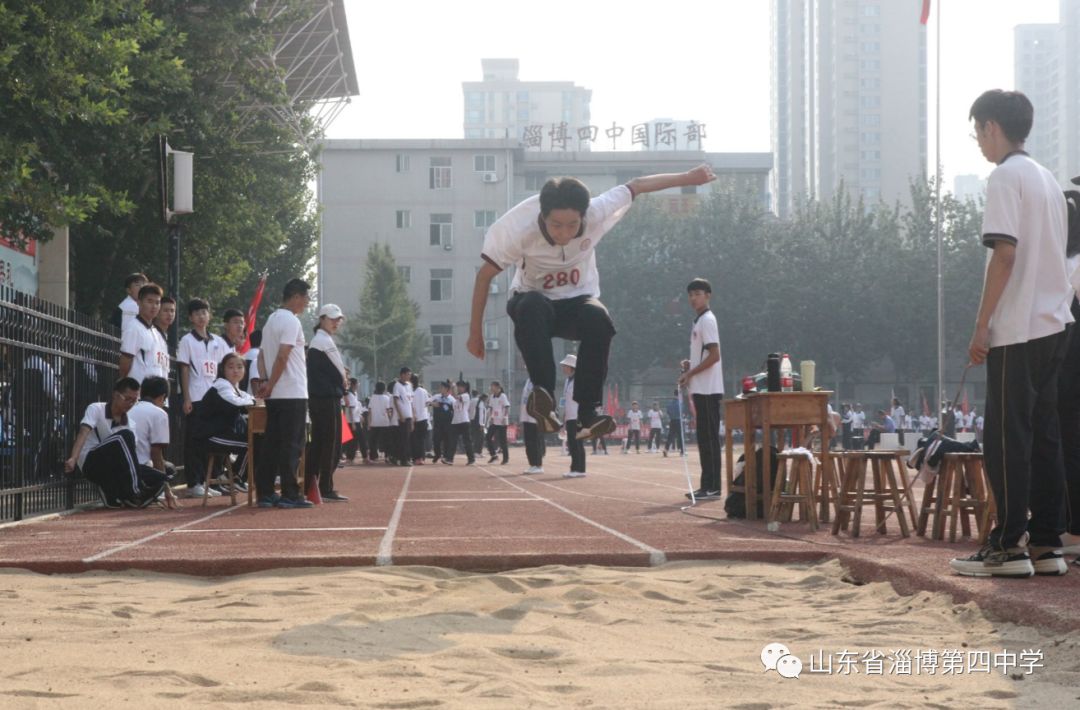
(703, 60)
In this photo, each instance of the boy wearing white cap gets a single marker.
(574, 445)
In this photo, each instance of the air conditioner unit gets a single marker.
(494, 288)
(490, 177)
(448, 244)
(491, 345)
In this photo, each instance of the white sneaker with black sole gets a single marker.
(1048, 561)
(533, 469)
(992, 562)
(573, 474)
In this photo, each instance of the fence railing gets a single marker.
(54, 361)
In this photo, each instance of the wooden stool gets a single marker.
(794, 485)
(230, 480)
(959, 488)
(887, 495)
(827, 485)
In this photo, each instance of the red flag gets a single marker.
(346, 430)
(253, 309)
(925, 17)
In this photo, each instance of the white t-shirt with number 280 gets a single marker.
(558, 272)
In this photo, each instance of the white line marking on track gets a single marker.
(386, 546)
(470, 500)
(265, 530)
(155, 536)
(656, 557)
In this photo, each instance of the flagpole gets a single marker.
(937, 222)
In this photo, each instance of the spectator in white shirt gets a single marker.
(143, 351)
(498, 420)
(703, 377)
(221, 424)
(460, 426)
(421, 416)
(129, 308)
(150, 420)
(402, 393)
(656, 427)
(283, 362)
(379, 408)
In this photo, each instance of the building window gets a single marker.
(442, 284)
(474, 98)
(403, 219)
(484, 218)
(440, 176)
(870, 101)
(473, 115)
(406, 273)
(871, 155)
(474, 132)
(871, 138)
(491, 330)
(871, 11)
(870, 65)
(484, 163)
(871, 47)
(442, 340)
(442, 230)
(534, 181)
(871, 119)
(402, 162)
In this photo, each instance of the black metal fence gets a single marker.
(54, 361)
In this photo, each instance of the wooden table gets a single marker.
(768, 411)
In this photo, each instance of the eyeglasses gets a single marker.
(128, 399)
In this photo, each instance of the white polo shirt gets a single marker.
(461, 409)
(558, 272)
(151, 425)
(705, 332)
(500, 409)
(635, 419)
(570, 405)
(283, 328)
(420, 411)
(379, 405)
(403, 399)
(129, 308)
(101, 424)
(147, 348)
(655, 422)
(202, 358)
(1026, 207)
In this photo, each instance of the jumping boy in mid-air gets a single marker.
(551, 241)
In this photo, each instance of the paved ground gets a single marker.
(628, 512)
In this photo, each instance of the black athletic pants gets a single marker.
(575, 447)
(654, 438)
(113, 466)
(534, 444)
(286, 420)
(674, 436)
(496, 439)
(633, 437)
(538, 319)
(419, 439)
(404, 442)
(459, 431)
(324, 451)
(1022, 451)
(1069, 414)
(707, 407)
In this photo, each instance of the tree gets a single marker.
(383, 334)
(83, 88)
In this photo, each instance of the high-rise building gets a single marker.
(1047, 70)
(848, 99)
(503, 106)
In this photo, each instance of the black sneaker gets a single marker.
(1048, 561)
(594, 425)
(334, 495)
(703, 494)
(992, 562)
(541, 407)
(494, 458)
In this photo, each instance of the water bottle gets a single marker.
(772, 370)
(787, 382)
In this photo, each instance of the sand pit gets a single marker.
(685, 635)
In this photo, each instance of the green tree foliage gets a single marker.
(839, 283)
(84, 90)
(384, 334)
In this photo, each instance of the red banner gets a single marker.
(925, 17)
(253, 310)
